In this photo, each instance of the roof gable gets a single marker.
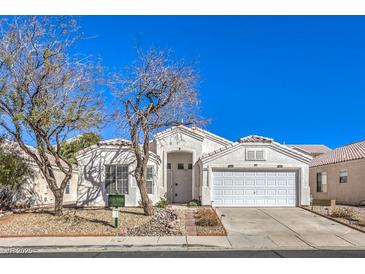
(257, 140)
(194, 132)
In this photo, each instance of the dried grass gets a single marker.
(206, 217)
(346, 213)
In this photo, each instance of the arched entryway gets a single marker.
(179, 176)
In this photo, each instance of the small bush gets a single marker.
(162, 203)
(194, 203)
(206, 217)
(346, 213)
(362, 222)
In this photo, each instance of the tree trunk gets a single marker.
(146, 202)
(58, 203)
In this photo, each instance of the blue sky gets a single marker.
(297, 79)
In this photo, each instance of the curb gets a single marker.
(112, 248)
(60, 235)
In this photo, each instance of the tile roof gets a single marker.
(252, 139)
(248, 139)
(255, 139)
(212, 135)
(345, 153)
(15, 147)
(112, 142)
(315, 149)
(205, 155)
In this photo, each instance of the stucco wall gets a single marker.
(237, 158)
(351, 192)
(178, 140)
(41, 193)
(92, 191)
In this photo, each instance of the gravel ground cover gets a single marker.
(163, 222)
(358, 220)
(132, 222)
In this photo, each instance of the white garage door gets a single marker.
(254, 189)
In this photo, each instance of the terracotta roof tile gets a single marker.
(316, 149)
(255, 139)
(350, 152)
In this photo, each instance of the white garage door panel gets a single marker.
(254, 189)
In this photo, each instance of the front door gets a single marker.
(182, 185)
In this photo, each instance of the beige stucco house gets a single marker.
(191, 163)
(43, 196)
(340, 175)
(37, 189)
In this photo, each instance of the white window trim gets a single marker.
(323, 182)
(116, 179)
(254, 151)
(347, 176)
(153, 179)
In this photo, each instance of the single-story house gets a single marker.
(311, 150)
(340, 175)
(191, 163)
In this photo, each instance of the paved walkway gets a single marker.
(190, 226)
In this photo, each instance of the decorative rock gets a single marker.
(163, 222)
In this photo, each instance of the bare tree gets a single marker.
(155, 93)
(46, 93)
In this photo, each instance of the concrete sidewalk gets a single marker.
(170, 243)
(37, 244)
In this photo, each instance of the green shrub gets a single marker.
(162, 203)
(346, 213)
(194, 203)
(206, 217)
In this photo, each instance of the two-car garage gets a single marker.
(256, 172)
(249, 188)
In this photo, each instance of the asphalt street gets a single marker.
(199, 254)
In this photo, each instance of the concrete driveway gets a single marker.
(287, 228)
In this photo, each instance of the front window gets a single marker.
(116, 179)
(322, 182)
(343, 176)
(67, 189)
(180, 166)
(149, 180)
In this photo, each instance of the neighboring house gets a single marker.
(340, 174)
(42, 194)
(38, 189)
(312, 150)
(191, 163)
